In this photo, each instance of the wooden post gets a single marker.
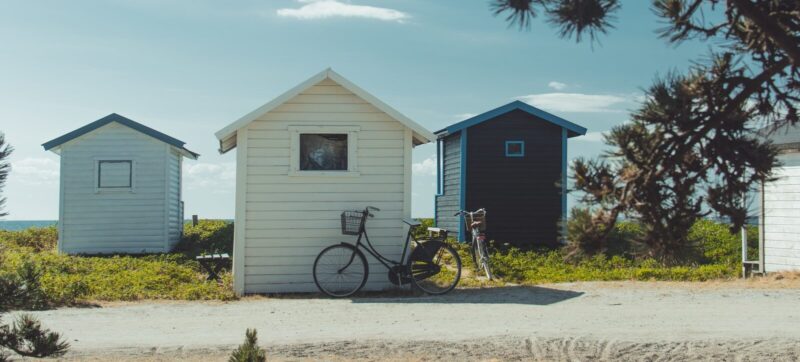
(195, 220)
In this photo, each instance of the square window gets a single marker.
(323, 152)
(115, 174)
(515, 148)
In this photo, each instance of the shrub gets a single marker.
(249, 351)
(708, 241)
(532, 267)
(68, 279)
(37, 238)
(584, 237)
(21, 288)
(719, 245)
(27, 338)
(207, 237)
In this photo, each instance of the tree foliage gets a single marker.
(696, 144)
(26, 336)
(5, 168)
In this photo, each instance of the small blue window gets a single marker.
(515, 148)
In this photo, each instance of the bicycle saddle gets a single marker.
(411, 222)
(476, 224)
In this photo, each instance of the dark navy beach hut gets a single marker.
(512, 161)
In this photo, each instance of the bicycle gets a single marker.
(341, 270)
(476, 222)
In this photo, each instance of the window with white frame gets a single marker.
(323, 150)
(515, 148)
(114, 174)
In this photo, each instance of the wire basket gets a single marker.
(352, 222)
(476, 217)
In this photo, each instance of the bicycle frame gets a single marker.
(370, 249)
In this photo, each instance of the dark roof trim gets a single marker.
(113, 117)
(572, 128)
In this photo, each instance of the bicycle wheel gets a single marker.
(435, 267)
(484, 259)
(340, 270)
(476, 255)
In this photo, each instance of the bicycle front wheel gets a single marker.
(340, 270)
(435, 267)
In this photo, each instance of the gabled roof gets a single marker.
(782, 136)
(227, 135)
(572, 128)
(113, 117)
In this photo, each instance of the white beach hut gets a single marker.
(323, 147)
(779, 206)
(120, 188)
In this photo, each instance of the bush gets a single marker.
(38, 239)
(21, 289)
(68, 279)
(532, 267)
(27, 338)
(207, 237)
(249, 351)
(719, 245)
(711, 242)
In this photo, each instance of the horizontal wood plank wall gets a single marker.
(781, 217)
(113, 222)
(290, 219)
(520, 194)
(447, 203)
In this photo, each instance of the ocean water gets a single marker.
(24, 224)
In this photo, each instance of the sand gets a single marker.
(577, 321)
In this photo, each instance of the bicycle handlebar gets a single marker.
(371, 208)
(461, 212)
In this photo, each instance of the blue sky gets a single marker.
(188, 68)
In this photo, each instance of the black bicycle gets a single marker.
(341, 270)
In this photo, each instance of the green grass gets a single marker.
(67, 279)
(719, 248)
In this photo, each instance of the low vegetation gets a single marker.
(249, 351)
(715, 254)
(52, 279)
(67, 279)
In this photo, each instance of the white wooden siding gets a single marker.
(174, 214)
(288, 220)
(117, 221)
(782, 217)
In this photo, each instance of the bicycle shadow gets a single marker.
(528, 295)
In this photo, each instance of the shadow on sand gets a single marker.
(499, 295)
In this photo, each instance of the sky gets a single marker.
(188, 68)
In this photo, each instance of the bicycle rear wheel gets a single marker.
(484, 258)
(435, 267)
(340, 270)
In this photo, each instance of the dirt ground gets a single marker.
(577, 321)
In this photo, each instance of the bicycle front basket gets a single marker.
(352, 222)
(476, 217)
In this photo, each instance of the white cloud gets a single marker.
(463, 116)
(590, 137)
(575, 102)
(426, 167)
(557, 85)
(219, 177)
(323, 9)
(35, 171)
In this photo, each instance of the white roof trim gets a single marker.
(225, 134)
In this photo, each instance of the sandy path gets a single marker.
(566, 321)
